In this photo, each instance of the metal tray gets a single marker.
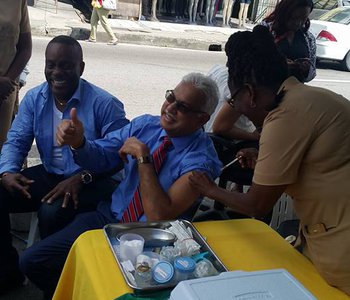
(154, 237)
(113, 232)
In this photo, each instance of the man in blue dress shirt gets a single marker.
(165, 196)
(58, 188)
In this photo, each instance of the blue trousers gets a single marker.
(43, 262)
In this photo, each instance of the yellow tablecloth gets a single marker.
(91, 271)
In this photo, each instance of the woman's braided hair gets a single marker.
(253, 58)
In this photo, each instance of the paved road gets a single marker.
(139, 75)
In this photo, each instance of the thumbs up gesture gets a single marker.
(71, 132)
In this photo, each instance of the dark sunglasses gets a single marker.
(180, 106)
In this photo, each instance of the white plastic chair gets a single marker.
(33, 230)
(282, 211)
(20, 223)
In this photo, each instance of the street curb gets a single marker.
(138, 38)
(152, 40)
(46, 22)
(50, 31)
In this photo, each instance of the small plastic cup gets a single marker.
(184, 267)
(163, 272)
(152, 256)
(131, 245)
(204, 268)
(169, 253)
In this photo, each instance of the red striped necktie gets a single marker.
(135, 209)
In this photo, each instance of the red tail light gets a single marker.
(326, 36)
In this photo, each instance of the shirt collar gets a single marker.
(288, 84)
(181, 142)
(46, 92)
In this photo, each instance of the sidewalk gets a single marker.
(45, 21)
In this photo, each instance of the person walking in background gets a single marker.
(227, 6)
(100, 14)
(16, 49)
(289, 24)
(243, 12)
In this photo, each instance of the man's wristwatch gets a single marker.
(86, 177)
(144, 160)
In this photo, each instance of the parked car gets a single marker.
(322, 6)
(332, 33)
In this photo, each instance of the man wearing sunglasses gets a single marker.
(158, 152)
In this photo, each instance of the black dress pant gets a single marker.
(52, 217)
(43, 262)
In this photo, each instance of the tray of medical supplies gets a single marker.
(158, 255)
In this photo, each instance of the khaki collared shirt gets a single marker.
(305, 144)
(14, 20)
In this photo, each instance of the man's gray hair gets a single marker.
(208, 87)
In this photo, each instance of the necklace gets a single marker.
(60, 103)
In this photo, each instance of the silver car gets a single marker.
(332, 33)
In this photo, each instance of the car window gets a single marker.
(325, 4)
(341, 16)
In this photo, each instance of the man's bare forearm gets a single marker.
(156, 202)
(257, 202)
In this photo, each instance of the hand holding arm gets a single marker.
(203, 184)
(257, 202)
(71, 132)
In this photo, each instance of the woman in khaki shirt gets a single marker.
(304, 150)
